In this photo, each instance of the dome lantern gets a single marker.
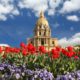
(41, 14)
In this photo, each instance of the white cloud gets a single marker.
(15, 12)
(3, 17)
(73, 18)
(51, 12)
(73, 41)
(76, 35)
(5, 45)
(70, 6)
(38, 5)
(7, 7)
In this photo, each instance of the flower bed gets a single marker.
(59, 62)
(13, 72)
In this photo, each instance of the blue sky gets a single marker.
(18, 18)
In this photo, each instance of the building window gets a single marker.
(42, 42)
(44, 33)
(31, 42)
(52, 42)
(39, 33)
(40, 27)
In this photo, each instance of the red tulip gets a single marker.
(16, 50)
(31, 48)
(54, 51)
(58, 48)
(76, 57)
(22, 45)
(64, 52)
(12, 50)
(70, 54)
(55, 54)
(1, 50)
(42, 49)
(70, 48)
(7, 49)
(24, 52)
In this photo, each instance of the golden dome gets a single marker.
(42, 20)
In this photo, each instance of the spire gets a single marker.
(41, 14)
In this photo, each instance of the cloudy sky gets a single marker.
(18, 18)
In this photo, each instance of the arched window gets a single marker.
(42, 26)
(42, 41)
(52, 42)
(44, 33)
(31, 42)
(39, 33)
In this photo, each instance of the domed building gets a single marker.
(42, 34)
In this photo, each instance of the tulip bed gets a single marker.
(27, 63)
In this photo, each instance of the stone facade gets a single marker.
(42, 34)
